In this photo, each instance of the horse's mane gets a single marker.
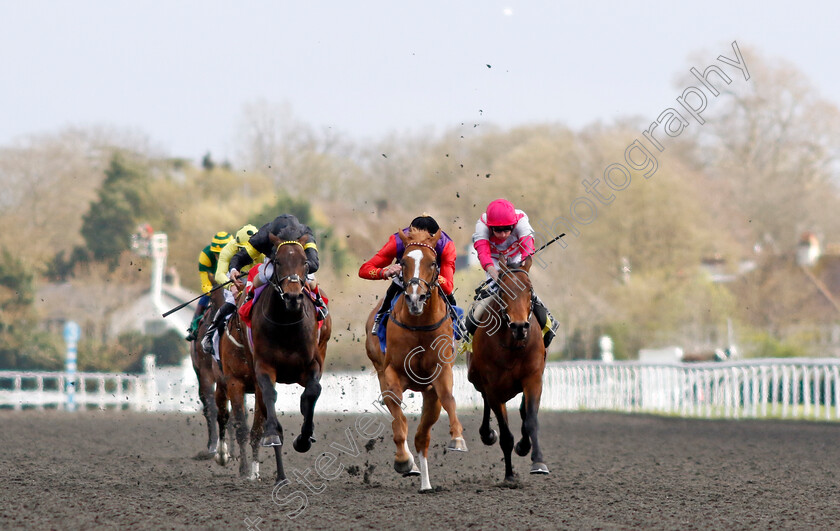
(419, 236)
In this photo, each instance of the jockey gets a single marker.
(504, 233)
(239, 242)
(208, 260)
(284, 226)
(382, 266)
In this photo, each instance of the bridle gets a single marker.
(503, 306)
(277, 283)
(417, 281)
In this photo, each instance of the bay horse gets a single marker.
(214, 413)
(508, 358)
(288, 346)
(418, 355)
(237, 379)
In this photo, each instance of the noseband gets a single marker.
(417, 281)
(277, 283)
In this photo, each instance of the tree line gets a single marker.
(762, 170)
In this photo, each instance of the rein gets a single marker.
(530, 302)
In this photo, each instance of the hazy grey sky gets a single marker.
(181, 71)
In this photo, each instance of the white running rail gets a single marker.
(790, 388)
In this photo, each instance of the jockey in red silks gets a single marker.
(504, 234)
(385, 265)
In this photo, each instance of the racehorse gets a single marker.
(236, 380)
(418, 355)
(214, 413)
(508, 358)
(288, 346)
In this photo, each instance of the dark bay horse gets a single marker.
(207, 374)
(418, 355)
(288, 346)
(237, 380)
(508, 358)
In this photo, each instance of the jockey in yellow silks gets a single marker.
(208, 260)
(238, 243)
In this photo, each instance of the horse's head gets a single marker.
(290, 269)
(516, 292)
(419, 268)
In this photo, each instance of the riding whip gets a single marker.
(547, 244)
(175, 309)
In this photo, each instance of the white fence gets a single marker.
(792, 388)
(784, 388)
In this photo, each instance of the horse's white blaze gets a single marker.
(417, 256)
(425, 484)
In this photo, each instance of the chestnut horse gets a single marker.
(288, 346)
(418, 355)
(508, 358)
(203, 365)
(237, 380)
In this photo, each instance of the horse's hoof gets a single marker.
(490, 438)
(458, 444)
(271, 440)
(222, 458)
(255, 471)
(211, 449)
(406, 468)
(302, 444)
(522, 448)
(539, 468)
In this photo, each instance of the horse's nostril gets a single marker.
(526, 326)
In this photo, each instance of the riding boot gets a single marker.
(218, 324)
(470, 324)
(320, 305)
(457, 322)
(192, 331)
(545, 320)
(385, 307)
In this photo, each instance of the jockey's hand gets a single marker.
(493, 272)
(391, 271)
(234, 276)
(234, 291)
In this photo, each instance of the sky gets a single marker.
(182, 72)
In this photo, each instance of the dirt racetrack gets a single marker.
(138, 471)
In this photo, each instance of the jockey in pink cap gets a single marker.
(503, 233)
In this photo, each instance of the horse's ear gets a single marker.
(402, 236)
(436, 237)
(526, 264)
(304, 239)
(274, 239)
